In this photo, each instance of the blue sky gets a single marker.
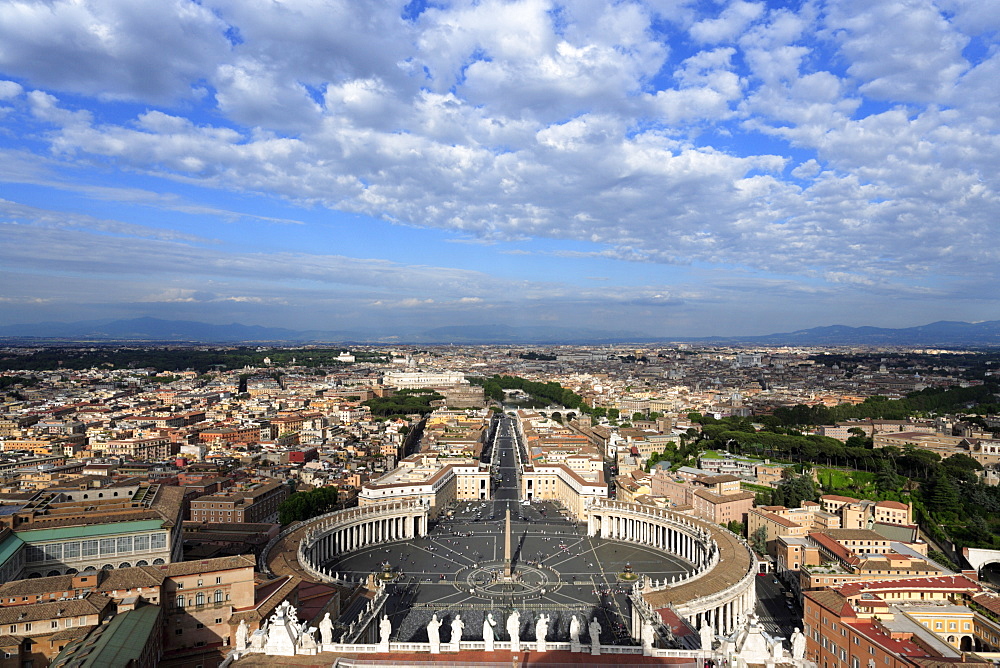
(666, 168)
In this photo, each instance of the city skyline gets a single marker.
(665, 168)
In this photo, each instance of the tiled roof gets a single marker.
(32, 586)
(206, 565)
(92, 604)
(947, 582)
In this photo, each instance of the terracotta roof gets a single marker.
(33, 586)
(854, 534)
(827, 598)
(777, 519)
(989, 601)
(206, 565)
(903, 646)
(836, 497)
(92, 604)
(833, 547)
(723, 498)
(947, 582)
(120, 579)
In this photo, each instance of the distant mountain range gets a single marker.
(943, 333)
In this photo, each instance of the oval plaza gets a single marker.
(508, 566)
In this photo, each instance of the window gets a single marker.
(201, 582)
(88, 548)
(217, 597)
(178, 632)
(141, 543)
(27, 627)
(200, 625)
(200, 598)
(180, 601)
(157, 541)
(218, 620)
(107, 546)
(218, 580)
(55, 623)
(68, 622)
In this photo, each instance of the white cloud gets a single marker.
(901, 51)
(730, 23)
(10, 89)
(840, 142)
(111, 48)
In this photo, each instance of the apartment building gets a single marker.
(198, 599)
(431, 481)
(984, 450)
(248, 502)
(66, 532)
(864, 513)
(577, 491)
(893, 624)
(34, 634)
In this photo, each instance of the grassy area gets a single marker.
(853, 482)
(750, 487)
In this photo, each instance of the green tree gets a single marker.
(736, 527)
(886, 479)
(943, 498)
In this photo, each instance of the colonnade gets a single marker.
(351, 530)
(699, 543)
(660, 532)
(355, 536)
(725, 617)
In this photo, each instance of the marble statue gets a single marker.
(647, 634)
(326, 630)
(574, 634)
(541, 630)
(457, 626)
(384, 630)
(707, 635)
(307, 642)
(241, 636)
(283, 631)
(798, 644)
(489, 636)
(514, 630)
(595, 637)
(434, 634)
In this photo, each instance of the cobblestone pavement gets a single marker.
(568, 572)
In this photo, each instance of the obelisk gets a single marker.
(508, 558)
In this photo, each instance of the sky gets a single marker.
(668, 168)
